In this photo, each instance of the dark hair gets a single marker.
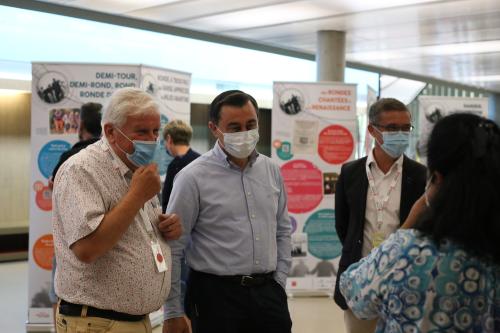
(233, 98)
(90, 118)
(384, 105)
(465, 150)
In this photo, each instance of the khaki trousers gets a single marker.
(69, 324)
(355, 325)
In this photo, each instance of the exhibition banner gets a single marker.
(313, 133)
(433, 108)
(58, 91)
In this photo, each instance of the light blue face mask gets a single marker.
(144, 151)
(395, 143)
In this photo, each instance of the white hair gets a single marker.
(128, 102)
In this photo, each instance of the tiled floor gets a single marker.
(309, 315)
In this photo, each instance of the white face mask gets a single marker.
(241, 144)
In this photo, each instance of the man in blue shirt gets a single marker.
(233, 206)
(177, 135)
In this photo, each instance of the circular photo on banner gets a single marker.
(304, 185)
(335, 144)
(43, 252)
(284, 152)
(49, 155)
(322, 239)
(43, 196)
(291, 101)
(52, 87)
(434, 113)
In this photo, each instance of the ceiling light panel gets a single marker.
(192, 9)
(262, 16)
(114, 6)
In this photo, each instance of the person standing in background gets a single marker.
(374, 194)
(89, 132)
(177, 135)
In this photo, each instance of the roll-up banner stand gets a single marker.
(58, 91)
(313, 133)
(433, 108)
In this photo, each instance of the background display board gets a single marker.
(433, 108)
(58, 91)
(313, 133)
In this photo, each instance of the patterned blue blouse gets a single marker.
(415, 286)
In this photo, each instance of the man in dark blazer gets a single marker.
(374, 194)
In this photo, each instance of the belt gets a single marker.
(77, 310)
(250, 280)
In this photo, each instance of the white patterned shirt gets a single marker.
(125, 279)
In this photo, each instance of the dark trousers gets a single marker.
(221, 305)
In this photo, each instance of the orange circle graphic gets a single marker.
(43, 251)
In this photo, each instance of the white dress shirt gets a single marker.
(390, 212)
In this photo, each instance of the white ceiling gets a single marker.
(453, 40)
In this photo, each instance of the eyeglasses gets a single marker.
(395, 128)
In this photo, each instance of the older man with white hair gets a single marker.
(109, 234)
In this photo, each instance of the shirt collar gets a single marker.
(222, 156)
(371, 159)
(117, 162)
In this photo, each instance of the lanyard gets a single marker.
(379, 200)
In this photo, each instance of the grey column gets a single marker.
(330, 55)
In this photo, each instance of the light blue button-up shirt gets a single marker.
(235, 221)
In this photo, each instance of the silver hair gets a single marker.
(128, 102)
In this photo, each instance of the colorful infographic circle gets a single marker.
(285, 151)
(43, 197)
(43, 251)
(49, 156)
(322, 239)
(335, 144)
(304, 185)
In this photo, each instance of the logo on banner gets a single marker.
(52, 87)
(149, 84)
(291, 101)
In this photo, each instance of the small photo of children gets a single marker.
(329, 182)
(64, 121)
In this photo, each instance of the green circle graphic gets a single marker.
(322, 239)
(285, 151)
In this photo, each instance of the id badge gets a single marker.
(378, 238)
(160, 261)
